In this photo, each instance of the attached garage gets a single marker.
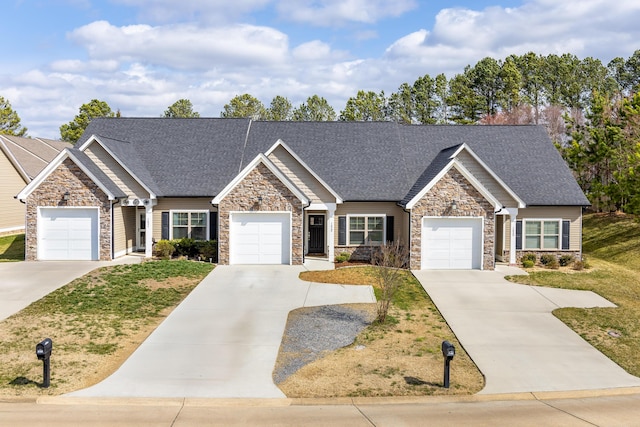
(260, 238)
(452, 243)
(68, 234)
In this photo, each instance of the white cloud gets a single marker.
(183, 46)
(338, 12)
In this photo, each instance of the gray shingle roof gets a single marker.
(30, 155)
(361, 161)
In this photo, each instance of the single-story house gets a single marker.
(461, 197)
(21, 159)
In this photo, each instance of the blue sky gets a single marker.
(142, 55)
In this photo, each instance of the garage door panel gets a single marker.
(451, 243)
(68, 234)
(260, 238)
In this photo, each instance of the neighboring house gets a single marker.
(461, 197)
(21, 159)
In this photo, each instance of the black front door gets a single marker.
(316, 234)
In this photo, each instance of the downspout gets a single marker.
(410, 223)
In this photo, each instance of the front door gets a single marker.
(316, 234)
(142, 229)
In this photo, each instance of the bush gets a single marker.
(578, 265)
(185, 247)
(208, 250)
(566, 260)
(343, 257)
(527, 263)
(529, 257)
(164, 249)
(547, 258)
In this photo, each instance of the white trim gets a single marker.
(320, 207)
(189, 211)
(260, 158)
(384, 229)
(51, 167)
(121, 253)
(39, 226)
(542, 220)
(290, 243)
(521, 203)
(18, 228)
(95, 138)
(481, 242)
(281, 143)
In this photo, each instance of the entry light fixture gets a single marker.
(454, 206)
(259, 199)
(65, 196)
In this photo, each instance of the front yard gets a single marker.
(12, 248)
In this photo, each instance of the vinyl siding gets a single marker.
(485, 178)
(124, 229)
(184, 204)
(400, 229)
(115, 171)
(301, 177)
(12, 211)
(568, 213)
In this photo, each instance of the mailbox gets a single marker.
(43, 349)
(448, 350)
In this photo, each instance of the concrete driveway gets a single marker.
(222, 341)
(22, 283)
(511, 335)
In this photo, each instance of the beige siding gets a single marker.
(300, 176)
(485, 178)
(400, 229)
(12, 211)
(124, 229)
(567, 213)
(115, 171)
(183, 204)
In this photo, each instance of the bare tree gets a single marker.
(391, 259)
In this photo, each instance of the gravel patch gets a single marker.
(313, 331)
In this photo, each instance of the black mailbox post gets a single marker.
(43, 351)
(448, 351)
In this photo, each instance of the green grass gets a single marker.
(612, 245)
(12, 248)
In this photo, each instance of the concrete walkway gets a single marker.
(510, 333)
(223, 340)
(22, 283)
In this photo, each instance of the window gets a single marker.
(366, 230)
(189, 224)
(542, 234)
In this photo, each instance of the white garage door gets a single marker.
(260, 238)
(451, 243)
(68, 234)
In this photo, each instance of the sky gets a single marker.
(140, 56)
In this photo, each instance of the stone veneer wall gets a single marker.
(437, 202)
(83, 192)
(276, 197)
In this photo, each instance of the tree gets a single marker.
(530, 66)
(9, 120)
(464, 104)
(486, 83)
(72, 131)
(390, 258)
(315, 109)
(400, 105)
(425, 100)
(365, 107)
(280, 109)
(244, 106)
(181, 108)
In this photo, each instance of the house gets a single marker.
(461, 197)
(21, 159)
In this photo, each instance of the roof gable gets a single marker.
(30, 155)
(260, 159)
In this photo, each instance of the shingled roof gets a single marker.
(362, 161)
(30, 155)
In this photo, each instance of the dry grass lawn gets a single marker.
(400, 358)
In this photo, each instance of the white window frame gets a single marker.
(366, 231)
(541, 221)
(189, 212)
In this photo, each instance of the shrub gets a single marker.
(553, 263)
(545, 259)
(566, 260)
(164, 249)
(578, 265)
(527, 263)
(529, 257)
(208, 250)
(343, 257)
(185, 247)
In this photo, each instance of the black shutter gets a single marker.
(165, 226)
(213, 225)
(518, 234)
(342, 230)
(565, 235)
(389, 229)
